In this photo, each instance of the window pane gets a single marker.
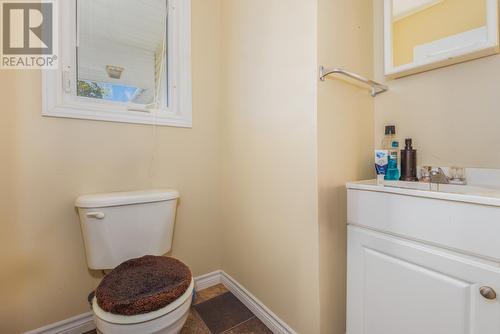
(121, 50)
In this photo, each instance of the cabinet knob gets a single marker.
(488, 293)
(96, 215)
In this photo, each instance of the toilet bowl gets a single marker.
(128, 232)
(167, 320)
(146, 295)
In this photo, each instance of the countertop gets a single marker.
(482, 195)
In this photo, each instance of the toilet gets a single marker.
(128, 233)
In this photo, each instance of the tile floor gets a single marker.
(216, 310)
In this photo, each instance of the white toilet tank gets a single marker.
(120, 226)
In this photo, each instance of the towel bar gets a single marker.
(375, 87)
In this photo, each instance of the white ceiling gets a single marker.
(404, 8)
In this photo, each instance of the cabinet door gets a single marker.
(401, 287)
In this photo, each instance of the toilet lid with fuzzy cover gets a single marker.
(143, 285)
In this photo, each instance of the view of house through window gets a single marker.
(122, 51)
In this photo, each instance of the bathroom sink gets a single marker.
(478, 194)
(422, 260)
(459, 217)
(445, 188)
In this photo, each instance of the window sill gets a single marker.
(134, 117)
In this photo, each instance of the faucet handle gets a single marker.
(425, 173)
(457, 175)
(438, 176)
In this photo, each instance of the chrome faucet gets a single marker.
(438, 176)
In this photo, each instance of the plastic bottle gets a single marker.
(391, 144)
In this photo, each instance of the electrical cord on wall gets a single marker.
(154, 150)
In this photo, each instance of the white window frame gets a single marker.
(59, 86)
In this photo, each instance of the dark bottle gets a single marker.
(408, 163)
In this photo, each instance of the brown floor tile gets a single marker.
(252, 326)
(194, 324)
(209, 293)
(223, 312)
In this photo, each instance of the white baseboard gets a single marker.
(84, 322)
(208, 280)
(271, 320)
(77, 325)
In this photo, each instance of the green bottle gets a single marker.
(391, 144)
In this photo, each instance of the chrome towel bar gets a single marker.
(375, 87)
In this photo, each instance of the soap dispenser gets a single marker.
(408, 162)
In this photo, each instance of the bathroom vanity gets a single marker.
(421, 260)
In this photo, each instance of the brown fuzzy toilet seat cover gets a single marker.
(143, 285)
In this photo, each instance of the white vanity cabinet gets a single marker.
(420, 263)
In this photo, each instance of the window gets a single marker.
(124, 61)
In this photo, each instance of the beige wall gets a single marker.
(47, 162)
(270, 188)
(451, 113)
(261, 174)
(427, 26)
(345, 141)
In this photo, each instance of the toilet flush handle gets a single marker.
(97, 215)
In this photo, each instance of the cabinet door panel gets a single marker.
(417, 299)
(397, 286)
